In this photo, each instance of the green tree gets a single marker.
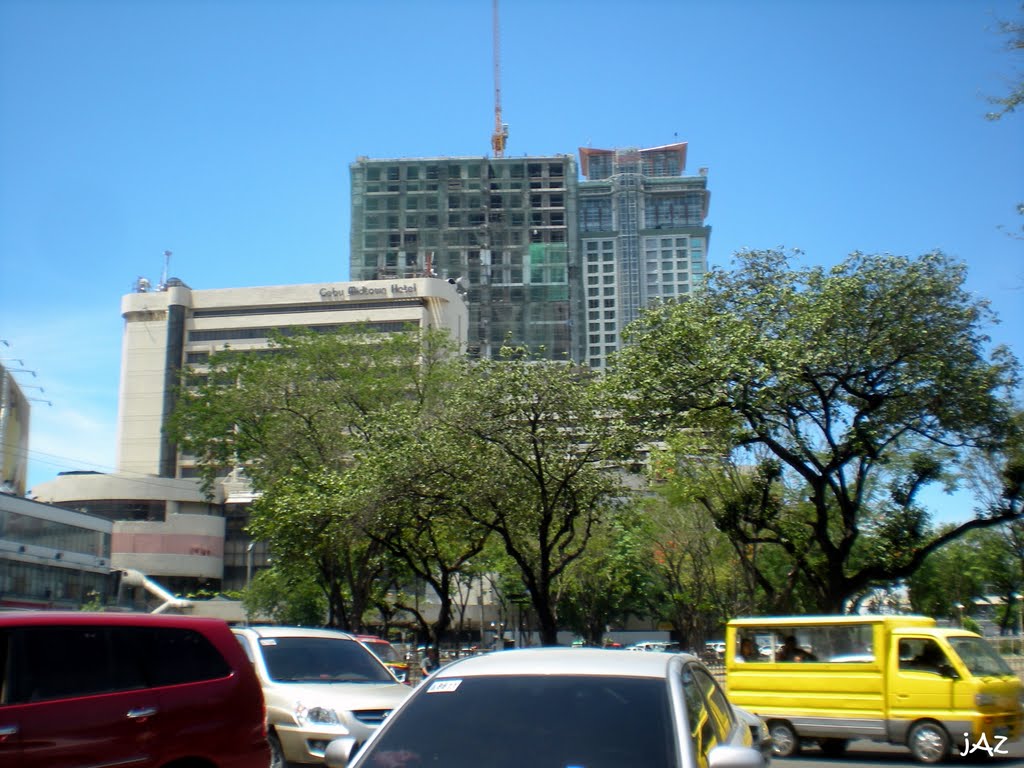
(697, 584)
(1014, 32)
(401, 480)
(285, 598)
(312, 526)
(856, 381)
(294, 417)
(528, 450)
(611, 580)
(950, 576)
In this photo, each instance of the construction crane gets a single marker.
(500, 135)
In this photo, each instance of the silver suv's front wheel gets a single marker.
(276, 753)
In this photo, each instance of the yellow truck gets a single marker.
(898, 679)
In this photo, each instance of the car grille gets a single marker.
(371, 716)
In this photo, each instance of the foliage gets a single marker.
(312, 528)
(304, 403)
(696, 582)
(401, 481)
(949, 576)
(611, 580)
(523, 450)
(1014, 32)
(280, 597)
(851, 388)
(295, 417)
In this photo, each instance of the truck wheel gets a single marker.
(928, 742)
(833, 747)
(785, 742)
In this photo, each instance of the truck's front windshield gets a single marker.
(980, 657)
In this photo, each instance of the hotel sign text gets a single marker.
(367, 292)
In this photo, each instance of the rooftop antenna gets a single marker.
(500, 135)
(167, 261)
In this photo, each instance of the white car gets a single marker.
(318, 685)
(563, 707)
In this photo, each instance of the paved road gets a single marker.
(864, 754)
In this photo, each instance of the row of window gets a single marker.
(372, 189)
(464, 202)
(457, 219)
(499, 170)
(232, 334)
(668, 163)
(36, 531)
(43, 583)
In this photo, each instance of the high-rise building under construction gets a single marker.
(551, 262)
(504, 228)
(642, 237)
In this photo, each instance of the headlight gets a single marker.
(315, 715)
(984, 700)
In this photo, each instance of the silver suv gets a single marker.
(318, 685)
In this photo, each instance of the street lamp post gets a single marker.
(248, 563)
(959, 613)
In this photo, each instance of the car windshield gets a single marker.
(980, 657)
(546, 721)
(320, 660)
(384, 651)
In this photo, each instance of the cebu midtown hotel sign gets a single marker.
(364, 291)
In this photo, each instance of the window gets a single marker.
(707, 711)
(497, 711)
(61, 662)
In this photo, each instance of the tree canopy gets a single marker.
(846, 389)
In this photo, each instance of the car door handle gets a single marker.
(140, 712)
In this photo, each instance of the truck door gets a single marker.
(922, 683)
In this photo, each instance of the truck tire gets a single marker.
(785, 742)
(928, 742)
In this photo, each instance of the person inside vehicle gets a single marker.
(791, 651)
(930, 659)
(748, 652)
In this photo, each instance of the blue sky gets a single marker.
(223, 131)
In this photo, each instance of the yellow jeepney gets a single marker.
(898, 679)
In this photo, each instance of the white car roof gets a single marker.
(562, 661)
(271, 631)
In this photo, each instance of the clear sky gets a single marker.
(223, 130)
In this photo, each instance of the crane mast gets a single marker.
(500, 135)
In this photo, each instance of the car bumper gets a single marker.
(307, 745)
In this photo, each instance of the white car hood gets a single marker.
(343, 696)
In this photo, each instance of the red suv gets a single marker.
(143, 690)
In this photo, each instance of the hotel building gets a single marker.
(163, 525)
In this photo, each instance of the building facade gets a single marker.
(504, 227)
(52, 558)
(14, 423)
(642, 237)
(164, 526)
(551, 262)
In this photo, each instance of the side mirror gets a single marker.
(339, 752)
(727, 756)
